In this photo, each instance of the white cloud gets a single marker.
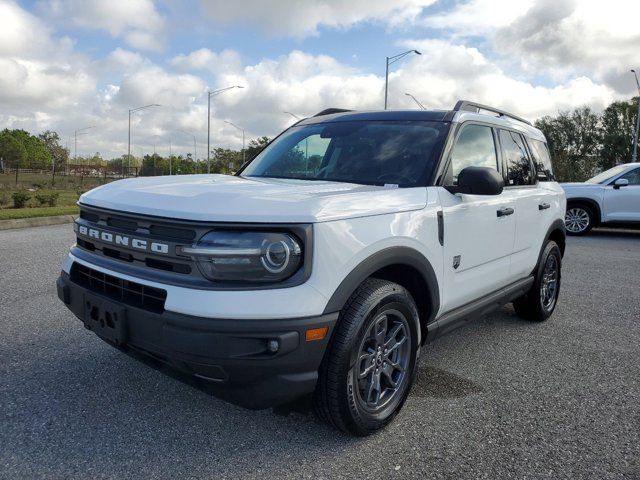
(478, 16)
(138, 22)
(447, 72)
(205, 59)
(561, 39)
(37, 70)
(45, 83)
(301, 18)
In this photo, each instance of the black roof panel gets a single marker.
(425, 115)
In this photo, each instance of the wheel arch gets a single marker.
(556, 232)
(588, 202)
(402, 265)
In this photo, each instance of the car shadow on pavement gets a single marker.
(87, 404)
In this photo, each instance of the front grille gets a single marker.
(150, 229)
(125, 291)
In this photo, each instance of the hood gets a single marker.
(581, 185)
(236, 199)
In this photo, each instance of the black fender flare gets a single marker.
(385, 258)
(557, 225)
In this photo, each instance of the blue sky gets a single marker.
(65, 64)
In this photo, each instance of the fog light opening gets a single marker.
(273, 345)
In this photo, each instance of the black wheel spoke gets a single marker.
(380, 331)
(373, 390)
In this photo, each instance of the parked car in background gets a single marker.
(611, 198)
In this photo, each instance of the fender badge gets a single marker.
(456, 262)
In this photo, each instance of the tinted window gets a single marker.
(541, 160)
(403, 153)
(633, 176)
(519, 171)
(474, 147)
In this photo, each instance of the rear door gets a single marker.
(623, 204)
(477, 243)
(532, 206)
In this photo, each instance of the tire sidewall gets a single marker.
(401, 301)
(551, 248)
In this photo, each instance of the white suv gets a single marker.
(322, 267)
(611, 199)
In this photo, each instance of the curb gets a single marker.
(36, 222)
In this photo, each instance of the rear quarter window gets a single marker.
(542, 160)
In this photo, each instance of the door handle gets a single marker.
(543, 206)
(505, 211)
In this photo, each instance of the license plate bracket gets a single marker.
(105, 318)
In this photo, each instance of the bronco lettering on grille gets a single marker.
(123, 240)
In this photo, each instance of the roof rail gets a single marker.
(476, 107)
(329, 111)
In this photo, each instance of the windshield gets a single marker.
(607, 175)
(398, 153)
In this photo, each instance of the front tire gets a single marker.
(540, 301)
(578, 219)
(371, 361)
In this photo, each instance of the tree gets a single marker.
(12, 150)
(256, 145)
(574, 143)
(618, 124)
(58, 153)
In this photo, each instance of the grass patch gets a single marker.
(13, 213)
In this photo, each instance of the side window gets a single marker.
(633, 176)
(475, 147)
(517, 163)
(542, 160)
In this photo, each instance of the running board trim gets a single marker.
(461, 315)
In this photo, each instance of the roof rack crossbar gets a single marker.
(476, 107)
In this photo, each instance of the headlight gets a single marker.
(233, 256)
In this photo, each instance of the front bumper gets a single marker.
(228, 357)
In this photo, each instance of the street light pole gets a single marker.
(132, 110)
(242, 130)
(634, 155)
(209, 95)
(79, 131)
(391, 60)
(416, 100)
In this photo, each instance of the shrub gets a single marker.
(20, 199)
(49, 200)
(4, 199)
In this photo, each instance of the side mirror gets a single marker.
(478, 181)
(621, 182)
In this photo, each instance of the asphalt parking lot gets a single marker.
(500, 398)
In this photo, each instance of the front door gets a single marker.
(623, 204)
(479, 231)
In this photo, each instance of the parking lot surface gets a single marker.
(500, 398)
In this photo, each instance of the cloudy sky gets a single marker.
(68, 64)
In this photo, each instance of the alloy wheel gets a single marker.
(576, 220)
(383, 359)
(549, 283)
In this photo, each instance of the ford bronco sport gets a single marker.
(328, 260)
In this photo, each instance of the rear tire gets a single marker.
(578, 219)
(540, 301)
(371, 360)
